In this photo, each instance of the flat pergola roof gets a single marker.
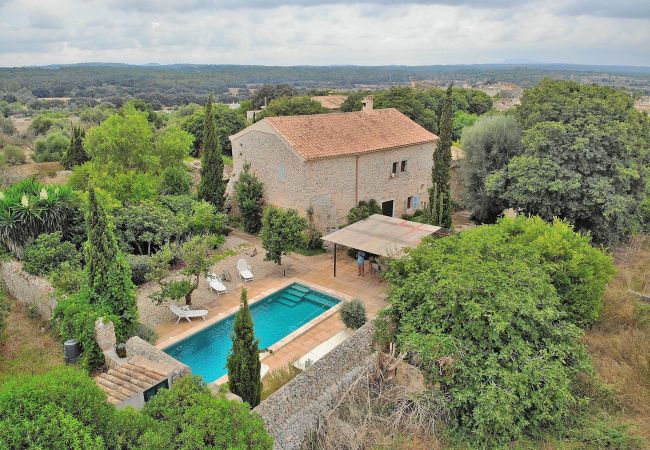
(382, 235)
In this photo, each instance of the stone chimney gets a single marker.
(367, 103)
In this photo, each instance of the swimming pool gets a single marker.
(274, 317)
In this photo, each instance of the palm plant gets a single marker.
(29, 208)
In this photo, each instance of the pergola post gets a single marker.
(334, 260)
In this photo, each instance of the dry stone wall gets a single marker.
(30, 290)
(294, 410)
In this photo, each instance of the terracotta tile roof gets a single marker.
(340, 134)
(123, 382)
(330, 101)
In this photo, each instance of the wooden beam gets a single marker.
(335, 260)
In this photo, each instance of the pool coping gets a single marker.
(262, 295)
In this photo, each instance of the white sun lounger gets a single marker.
(215, 284)
(244, 270)
(184, 312)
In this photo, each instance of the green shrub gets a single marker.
(126, 187)
(189, 416)
(6, 125)
(205, 219)
(48, 252)
(51, 148)
(63, 408)
(578, 271)
(175, 180)
(214, 241)
(74, 318)
(353, 314)
(14, 155)
(147, 226)
(146, 332)
(68, 278)
(248, 192)
(29, 208)
(363, 210)
(178, 203)
(140, 268)
(480, 315)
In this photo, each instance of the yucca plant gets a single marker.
(29, 208)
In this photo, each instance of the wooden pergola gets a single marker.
(381, 235)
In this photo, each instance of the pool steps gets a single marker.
(294, 294)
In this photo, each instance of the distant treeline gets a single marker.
(171, 85)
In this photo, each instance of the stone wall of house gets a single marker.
(274, 163)
(332, 185)
(294, 410)
(375, 179)
(30, 290)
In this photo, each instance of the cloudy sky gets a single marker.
(320, 32)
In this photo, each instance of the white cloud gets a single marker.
(324, 31)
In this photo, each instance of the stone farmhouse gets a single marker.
(332, 161)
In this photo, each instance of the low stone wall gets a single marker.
(28, 289)
(293, 411)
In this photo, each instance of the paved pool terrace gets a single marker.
(314, 272)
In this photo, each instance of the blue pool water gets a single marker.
(274, 317)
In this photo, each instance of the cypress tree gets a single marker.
(442, 162)
(75, 155)
(108, 272)
(244, 357)
(211, 187)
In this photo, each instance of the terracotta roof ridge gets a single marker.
(333, 113)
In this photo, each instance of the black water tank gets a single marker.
(71, 351)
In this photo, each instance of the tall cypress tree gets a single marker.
(212, 188)
(75, 155)
(244, 358)
(442, 166)
(109, 274)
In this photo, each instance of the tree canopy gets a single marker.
(585, 158)
(440, 198)
(127, 141)
(212, 187)
(189, 416)
(269, 92)
(244, 357)
(228, 122)
(282, 232)
(109, 273)
(487, 146)
(249, 192)
(292, 106)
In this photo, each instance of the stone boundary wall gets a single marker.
(294, 410)
(28, 289)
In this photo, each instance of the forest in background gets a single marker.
(173, 85)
